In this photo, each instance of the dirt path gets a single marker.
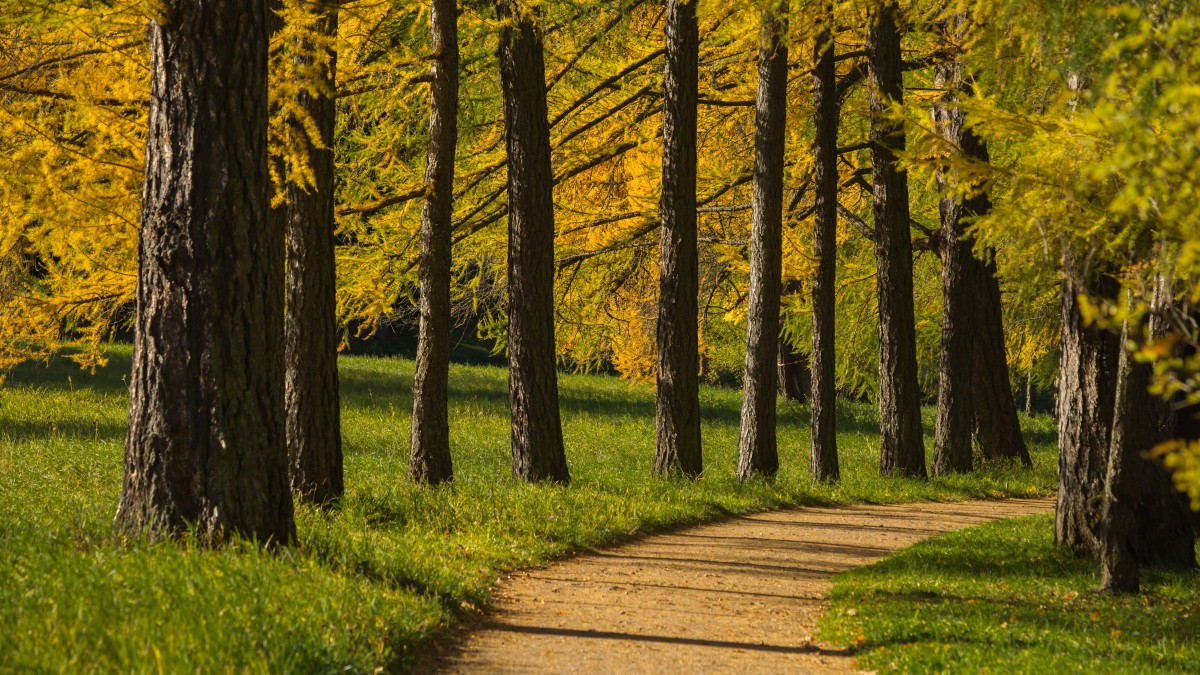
(740, 595)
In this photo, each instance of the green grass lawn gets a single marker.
(1002, 598)
(370, 584)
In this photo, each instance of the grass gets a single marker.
(1002, 597)
(371, 584)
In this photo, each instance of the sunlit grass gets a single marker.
(1003, 598)
(369, 584)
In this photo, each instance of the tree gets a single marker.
(794, 375)
(1163, 525)
(952, 440)
(997, 429)
(758, 454)
(678, 389)
(206, 444)
(903, 449)
(1143, 520)
(537, 443)
(1086, 387)
(975, 398)
(429, 446)
(1030, 395)
(314, 436)
(1118, 560)
(825, 181)
(795, 379)
(1102, 414)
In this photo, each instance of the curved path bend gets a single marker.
(739, 595)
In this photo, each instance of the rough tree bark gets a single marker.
(1087, 384)
(677, 400)
(537, 442)
(314, 436)
(1145, 520)
(758, 453)
(1095, 422)
(1118, 561)
(429, 441)
(997, 427)
(952, 451)
(824, 463)
(902, 446)
(1165, 532)
(206, 442)
(975, 398)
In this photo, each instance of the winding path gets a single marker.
(740, 595)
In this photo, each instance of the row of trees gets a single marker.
(259, 414)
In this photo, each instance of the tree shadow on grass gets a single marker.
(60, 373)
(366, 386)
(967, 556)
(378, 390)
(24, 430)
(1006, 587)
(1038, 622)
(1040, 435)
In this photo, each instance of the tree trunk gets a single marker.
(952, 439)
(795, 381)
(678, 391)
(997, 427)
(429, 442)
(757, 451)
(824, 463)
(1030, 395)
(314, 436)
(1146, 522)
(1165, 535)
(206, 442)
(1118, 562)
(975, 397)
(537, 442)
(1086, 385)
(903, 448)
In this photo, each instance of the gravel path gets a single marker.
(740, 595)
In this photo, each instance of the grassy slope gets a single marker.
(369, 584)
(1003, 598)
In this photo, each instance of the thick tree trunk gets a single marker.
(757, 451)
(1146, 521)
(678, 391)
(314, 435)
(206, 443)
(795, 381)
(537, 442)
(1118, 561)
(429, 442)
(1093, 422)
(997, 427)
(824, 463)
(1165, 534)
(955, 411)
(975, 398)
(902, 446)
(1087, 383)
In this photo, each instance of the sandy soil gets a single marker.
(740, 595)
